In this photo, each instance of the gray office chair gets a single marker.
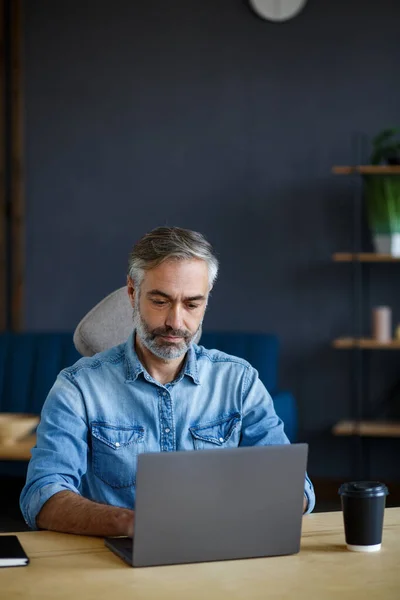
(107, 324)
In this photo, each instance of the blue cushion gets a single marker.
(286, 409)
(29, 365)
(259, 349)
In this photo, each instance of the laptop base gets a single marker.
(122, 546)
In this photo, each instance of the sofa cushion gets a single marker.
(259, 349)
(29, 365)
(286, 409)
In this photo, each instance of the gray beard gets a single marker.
(155, 344)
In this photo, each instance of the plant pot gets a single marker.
(382, 195)
(387, 244)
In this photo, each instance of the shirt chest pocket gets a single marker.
(115, 450)
(223, 432)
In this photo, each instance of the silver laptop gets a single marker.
(216, 505)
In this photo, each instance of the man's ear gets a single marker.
(131, 290)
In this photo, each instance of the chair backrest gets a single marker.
(107, 324)
(110, 323)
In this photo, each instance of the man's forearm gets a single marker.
(69, 513)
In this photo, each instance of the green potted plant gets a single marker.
(382, 193)
(386, 147)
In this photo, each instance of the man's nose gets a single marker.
(174, 319)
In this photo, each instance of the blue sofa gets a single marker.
(262, 352)
(30, 362)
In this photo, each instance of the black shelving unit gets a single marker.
(362, 425)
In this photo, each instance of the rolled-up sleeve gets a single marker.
(262, 426)
(59, 458)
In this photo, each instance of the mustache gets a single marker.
(169, 331)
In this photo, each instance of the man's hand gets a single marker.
(131, 524)
(70, 513)
(305, 504)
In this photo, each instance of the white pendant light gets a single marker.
(277, 10)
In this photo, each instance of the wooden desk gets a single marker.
(18, 450)
(64, 566)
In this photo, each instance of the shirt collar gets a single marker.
(134, 367)
(191, 367)
(132, 363)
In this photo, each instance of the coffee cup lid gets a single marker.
(363, 489)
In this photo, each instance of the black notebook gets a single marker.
(12, 553)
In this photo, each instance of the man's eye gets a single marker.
(192, 306)
(159, 302)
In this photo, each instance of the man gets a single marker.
(159, 391)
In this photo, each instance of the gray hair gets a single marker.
(170, 243)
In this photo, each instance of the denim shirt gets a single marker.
(105, 410)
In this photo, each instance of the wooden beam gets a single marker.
(3, 198)
(17, 167)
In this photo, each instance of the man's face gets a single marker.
(170, 305)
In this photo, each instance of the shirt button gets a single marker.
(221, 440)
(165, 393)
(117, 444)
(167, 430)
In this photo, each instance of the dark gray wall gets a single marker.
(199, 114)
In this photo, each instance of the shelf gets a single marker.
(367, 170)
(347, 343)
(364, 257)
(368, 428)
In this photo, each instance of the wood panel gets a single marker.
(3, 199)
(17, 169)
